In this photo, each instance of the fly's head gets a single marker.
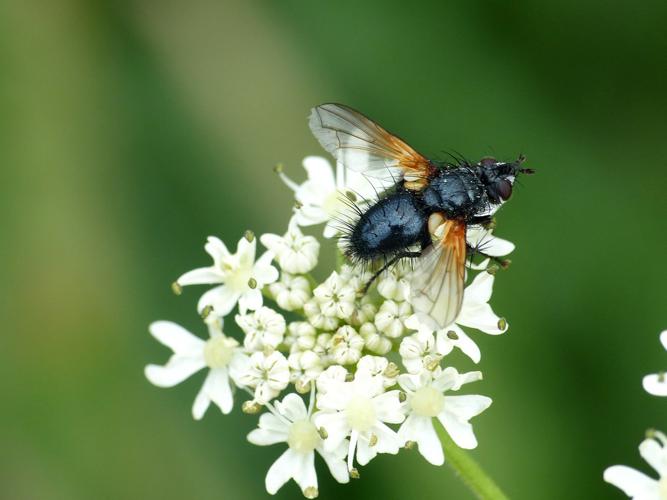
(498, 177)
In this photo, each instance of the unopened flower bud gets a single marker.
(301, 387)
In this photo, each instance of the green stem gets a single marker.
(470, 472)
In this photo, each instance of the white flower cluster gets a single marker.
(374, 375)
(653, 449)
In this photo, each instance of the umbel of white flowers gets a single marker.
(337, 354)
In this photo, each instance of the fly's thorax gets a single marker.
(458, 192)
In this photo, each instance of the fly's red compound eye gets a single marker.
(504, 189)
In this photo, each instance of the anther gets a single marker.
(278, 168)
(505, 263)
(323, 433)
(249, 235)
(492, 270)
(252, 283)
(354, 473)
(349, 377)
(251, 407)
(373, 440)
(298, 205)
(206, 311)
(391, 371)
(351, 196)
(176, 288)
(451, 334)
(502, 324)
(409, 445)
(337, 340)
(650, 433)
(433, 363)
(402, 396)
(661, 377)
(311, 492)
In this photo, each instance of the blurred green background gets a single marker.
(130, 131)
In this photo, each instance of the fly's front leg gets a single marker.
(486, 221)
(472, 251)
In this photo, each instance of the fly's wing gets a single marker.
(363, 146)
(437, 285)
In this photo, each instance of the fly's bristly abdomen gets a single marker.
(390, 226)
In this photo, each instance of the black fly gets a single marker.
(424, 215)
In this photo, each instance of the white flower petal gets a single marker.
(250, 300)
(468, 406)
(320, 171)
(292, 407)
(635, 484)
(245, 252)
(429, 444)
(281, 471)
(663, 339)
(444, 344)
(221, 298)
(271, 430)
(459, 430)
(388, 439)
(365, 453)
(218, 389)
(655, 384)
(177, 338)
(304, 470)
(481, 317)
(263, 271)
(176, 370)
(335, 460)
(655, 455)
(202, 402)
(264, 437)
(479, 291)
(336, 426)
(388, 408)
(331, 229)
(201, 276)
(216, 249)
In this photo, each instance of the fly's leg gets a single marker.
(486, 221)
(472, 251)
(387, 265)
